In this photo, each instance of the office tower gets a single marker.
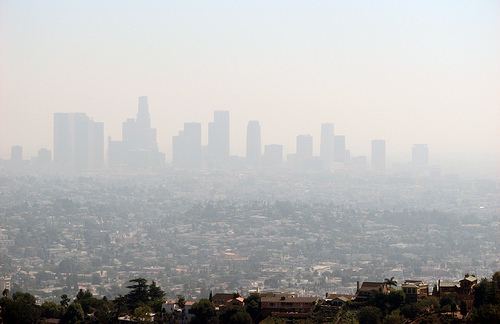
(78, 142)
(420, 156)
(378, 155)
(304, 146)
(186, 148)
(16, 154)
(339, 152)
(273, 156)
(44, 157)
(137, 133)
(218, 140)
(96, 144)
(138, 147)
(253, 144)
(358, 162)
(326, 150)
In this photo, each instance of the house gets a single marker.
(415, 290)
(238, 301)
(368, 288)
(463, 288)
(220, 300)
(174, 314)
(467, 286)
(337, 300)
(445, 288)
(287, 307)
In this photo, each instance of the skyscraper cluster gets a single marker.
(78, 142)
(138, 147)
(79, 145)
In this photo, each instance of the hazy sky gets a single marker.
(404, 71)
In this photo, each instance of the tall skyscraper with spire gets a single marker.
(254, 146)
(138, 147)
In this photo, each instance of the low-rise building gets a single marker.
(337, 300)
(367, 289)
(288, 307)
(415, 290)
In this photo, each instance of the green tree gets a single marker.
(74, 314)
(252, 303)
(395, 299)
(394, 319)
(20, 309)
(120, 306)
(410, 311)
(235, 315)
(390, 282)
(64, 300)
(52, 310)
(155, 292)
(142, 314)
(204, 310)
(138, 294)
(369, 315)
(463, 308)
(181, 301)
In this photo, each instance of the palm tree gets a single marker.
(390, 282)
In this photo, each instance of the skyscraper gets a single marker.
(186, 148)
(326, 150)
(137, 133)
(420, 156)
(44, 156)
(16, 154)
(138, 147)
(218, 140)
(304, 146)
(273, 156)
(78, 142)
(339, 152)
(253, 144)
(378, 155)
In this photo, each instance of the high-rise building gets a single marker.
(339, 152)
(78, 142)
(16, 154)
(420, 156)
(137, 133)
(96, 144)
(44, 156)
(273, 156)
(186, 148)
(253, 144)
(138, 147)
(304, 146)
(378, 155)
(218, 140)
(326, 149)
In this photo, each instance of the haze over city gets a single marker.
(245, 162)
(407, 73)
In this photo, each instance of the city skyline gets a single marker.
(77, 133)
(408, 73)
